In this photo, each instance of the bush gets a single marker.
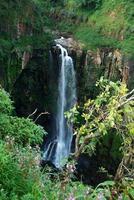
(20, 176)
(23, 131)
(90, 4)
(6, 105)
(110, 114)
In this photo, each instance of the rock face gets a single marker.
(36, 89)
(29, 90)
(69, 43)
(91, 65)
(36, 85)
(110, 63)
(10, 67)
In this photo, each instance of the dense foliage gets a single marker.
(23, 26)
(112, 109)
(23, 131)
(30, 24)
(21, 177)
(111, 113)
(89, 4)
(19, 174)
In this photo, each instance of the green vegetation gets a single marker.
(19, 174)
(23, 28)
(21, 177)
(92, 39)
(23, 131)
(103, 23)
(115, 19)
(27, 25)
(30, 25)
(84, 4)
(111, 113)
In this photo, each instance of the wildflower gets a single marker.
(120, 197)
(71, 168)
(100, 196)
(71, 197)
(87, 191)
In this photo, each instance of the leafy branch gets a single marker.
(112, 109)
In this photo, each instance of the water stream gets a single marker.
(58, 150)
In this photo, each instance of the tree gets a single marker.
(112, 109)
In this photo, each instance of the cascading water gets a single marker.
(57, 151)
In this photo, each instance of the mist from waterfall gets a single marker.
(58, 150)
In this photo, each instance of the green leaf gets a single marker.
(106, 183)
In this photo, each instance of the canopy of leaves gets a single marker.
(111, 110)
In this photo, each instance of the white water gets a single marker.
(58, 150)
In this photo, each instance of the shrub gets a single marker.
(6, 105)
(90, 4)
(109, 114)
(20, 176)
(22, 130)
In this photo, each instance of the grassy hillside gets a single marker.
(103, 23)
(94, 22)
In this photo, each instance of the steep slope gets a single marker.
(100, 23)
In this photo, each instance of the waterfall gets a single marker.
(58, 150)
